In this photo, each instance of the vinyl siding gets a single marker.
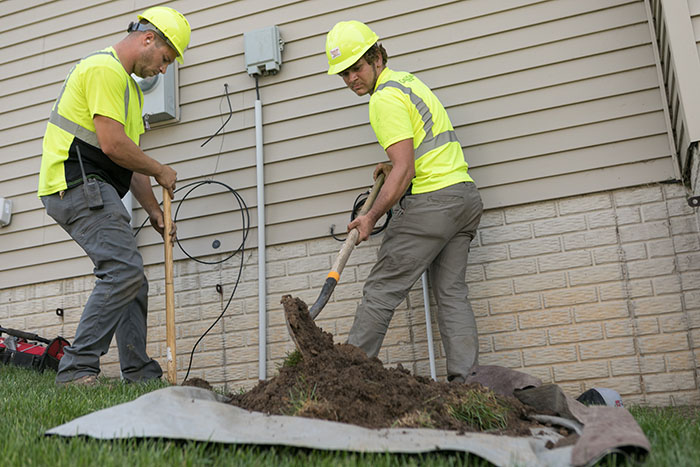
(549, 99)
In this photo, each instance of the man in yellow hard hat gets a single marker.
(437, 207)
(90, 160)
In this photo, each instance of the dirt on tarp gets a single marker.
(338, 382)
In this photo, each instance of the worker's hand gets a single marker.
(382, 168)
(364, 225)
(166, 178)
(158, 223)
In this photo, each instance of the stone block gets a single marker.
(581, 371)
(566, 297)
(596, 274)
(669, 382)
(638, 365)
(485, 254)
(590, 239)
(540, 282)
(530, 212)
(584, 203)
(540, 246)
(568, 260)
(643, 232)
(575, 333)
(514, 303)
(663, 343)
(600, 311)
(560, 226)
(502, 269)
(549, 355)
(520, 340)
(638, 195)
(507, 233)
(607, 349)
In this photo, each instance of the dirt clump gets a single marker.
(338, 382)
(198, 383)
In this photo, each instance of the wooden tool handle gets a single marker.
(342, 258)
(171, 355)
(350, 242)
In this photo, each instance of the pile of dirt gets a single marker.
(338, 382)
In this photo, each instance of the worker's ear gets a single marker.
(148, 38)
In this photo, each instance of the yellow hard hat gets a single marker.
(172, 24)
(346, 43)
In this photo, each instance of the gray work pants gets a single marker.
(428, 231)
(119, 302)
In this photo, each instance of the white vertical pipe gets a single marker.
(428, 325)
(262, 293)
(128, 201)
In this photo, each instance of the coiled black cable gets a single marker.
(356, 206)
(245, 218)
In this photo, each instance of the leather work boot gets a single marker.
(83, 381)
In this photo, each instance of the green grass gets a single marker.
(480, 410)
(30, 404)
(292, 359)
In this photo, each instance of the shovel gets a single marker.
(334, 274)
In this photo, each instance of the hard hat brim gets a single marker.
(348, 62)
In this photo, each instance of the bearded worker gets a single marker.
(436, 205)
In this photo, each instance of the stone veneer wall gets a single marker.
(600, 290)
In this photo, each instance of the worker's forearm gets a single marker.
(127, 154)
(143, 192)
(393, 189)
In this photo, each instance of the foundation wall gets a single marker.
(601, 290)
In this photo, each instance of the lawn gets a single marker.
(30, 404)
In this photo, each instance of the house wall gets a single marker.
(598, 290)
(549, 99)
(585, 269)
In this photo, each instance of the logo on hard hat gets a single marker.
(335, 53)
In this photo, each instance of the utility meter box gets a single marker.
(160, 96)
(263, 51)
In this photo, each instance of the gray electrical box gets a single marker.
(160, 96)
(263, 51)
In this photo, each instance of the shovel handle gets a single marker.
(342, 258)
(171, 357)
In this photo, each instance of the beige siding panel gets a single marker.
(559, 94)
(579, 183)
(592, 135)
(43, 272)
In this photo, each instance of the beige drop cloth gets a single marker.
(197, 414)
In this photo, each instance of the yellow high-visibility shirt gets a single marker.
(402, 107)
(97, 85)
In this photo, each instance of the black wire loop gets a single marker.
(245, 218)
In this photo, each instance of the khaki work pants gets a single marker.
(119, 302)
(428, 231)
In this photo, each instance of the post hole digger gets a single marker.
(294, 315)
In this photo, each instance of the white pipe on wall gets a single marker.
(128, 201)
(262, 292)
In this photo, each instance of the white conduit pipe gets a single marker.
(428, 325)
(262, 293)
(128, 202)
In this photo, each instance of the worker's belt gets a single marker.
(431, 141)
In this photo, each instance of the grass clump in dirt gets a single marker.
(416, 419)
(300, 395)
(292, 359)
(480, 409)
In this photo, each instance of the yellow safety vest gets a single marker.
(96, 85)
(402, 107)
